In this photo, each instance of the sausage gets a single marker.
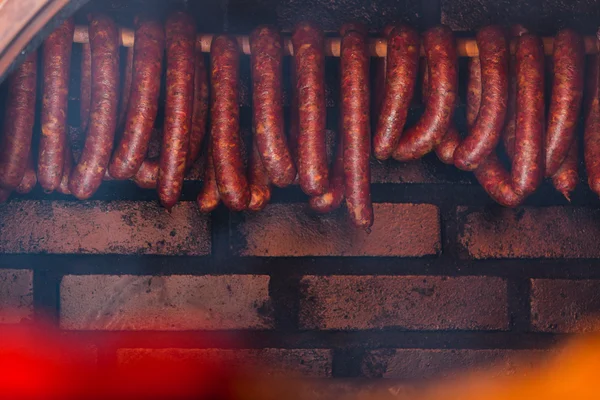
(56, 61)
(528, 164)
(227, 153)
(332, 199)
(510, 125)
(147, 175)
(260, 190)
(402, 68)
(181, 38)
(309, 59)
(19, 117)
(446, 148)
(266, 59)
(208, 199)
(63, 187)
(85, 86)
(591, 136)
(356, 136)
(379, 67)
(474, 89)
(427, 133)
(89, 171)
(142, 100)
(127, 80)
(565, 102)
(566, 178)
(497, 182)
(199, 110)
(487, 129)
(29, 179)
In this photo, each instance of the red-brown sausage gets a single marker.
(147, 175)
(56, 61)
(496, 181)
(402, 67)
(567, 92)
(19, 117)
(89, 171)
(181, 38)
(63, 187)
(379, 68)
(356, 136)
(142, 100)
(528, 164)
(474, 89)
(428, 132)
(309, 58)
(260, 190)
(227, 153)
(266, 59)
(127, 80)
(85, 86)
(445, 150)
(487, 129)
(332, 199)
(208, 199)
(29, 179)
(200, 109)
(566, 178)
(591, 137)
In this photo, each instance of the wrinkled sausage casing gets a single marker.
(332, 199)
(566, 178)
(56, 60)
(591, 141)
(225, 129)
(309, 59)
(143, 99)
(208, 199)
(200, 109)
(180, 43)
(29, 179)
(401, 75)
(89, 172)
(147, 176)
(428, 132)
(379, 68)
(127, 78)
(267, 53)
(474, 89)
(85, 86)
(260, 190)
(567, 93)
(19, 117)
(486, 131)
(356, 135)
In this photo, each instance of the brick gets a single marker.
(96, 227)
(527, 232)
(417, 364)
(559, 305)
(304, 362)
(174, 302)
(407, 302)
(16, 295)
(404, 230)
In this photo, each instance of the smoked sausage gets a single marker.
(126, 88)
(199, 111)
(147, 175)
(420, 139)
(180, 44)
(474, 89)
(266, 60)
(379, 68)
(227, 153)
(260, 190)
(401, 75)
(85, 86)
(309, 60)
(332, 199)
(208, 199)
(142, 100)
(89, 171)
(29, 179)
(63, 187)
(356, 137)
(56, 61)
(19, 118)
(566, 178)
(591, 136)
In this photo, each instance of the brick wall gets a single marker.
(447, 280)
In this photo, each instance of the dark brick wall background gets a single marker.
(447, 280)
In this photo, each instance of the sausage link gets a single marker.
(332, 199)
(200, 110)
(309, 59)
(126, 88)
(567, 92)
(147, 175)
(266, 59)
(487, 129)
(428, 132)
(208, 199)
(356, 136)
(85, 86)
(260, 190)
(63, 187)
(19, 118)
(227, 152)
(181, 38)
(591, 136)
(402, 68)
(446, 148)
(566, 178)
(474, 89)
(29, 179)
(89, 171)
(496, 181)
(379, 68)
(56, 61)
(528, 164)
(142, 99)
